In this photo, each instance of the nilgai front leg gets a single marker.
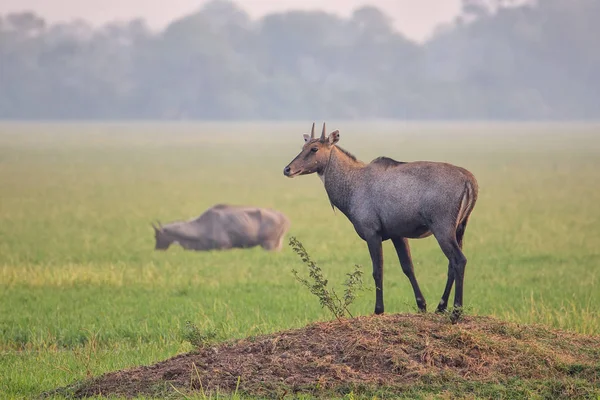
(376, 251)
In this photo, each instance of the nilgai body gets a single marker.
(391, 200)
(224, 227)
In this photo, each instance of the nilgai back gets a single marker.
(392, 200)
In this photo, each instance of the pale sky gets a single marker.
(415, 18)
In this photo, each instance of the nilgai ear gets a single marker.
(154, 226)
(306, 137)
(334, 137)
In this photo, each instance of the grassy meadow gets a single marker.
(82, 291)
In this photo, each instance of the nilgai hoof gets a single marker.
(455, 316)
(441, 308)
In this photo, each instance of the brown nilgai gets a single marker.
(388, 199)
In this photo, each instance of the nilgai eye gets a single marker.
(314, 149)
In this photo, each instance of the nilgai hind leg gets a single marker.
(403, 250)
(451, 244)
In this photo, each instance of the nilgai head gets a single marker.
(314, 155)
(162, 239)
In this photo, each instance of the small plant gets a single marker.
(327, 297)
(192, 334)
(86, 355)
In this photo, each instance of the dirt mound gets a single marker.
(377, 354)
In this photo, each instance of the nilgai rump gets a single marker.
(225, 226)
(388, 199)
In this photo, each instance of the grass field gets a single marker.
(83, 292)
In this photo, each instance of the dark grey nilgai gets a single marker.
(388, 199)
(225, 227)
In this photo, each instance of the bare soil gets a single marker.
(390, 354)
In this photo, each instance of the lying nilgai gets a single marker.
(387, 199)
(225, 227)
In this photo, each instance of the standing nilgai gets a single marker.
(388, 199)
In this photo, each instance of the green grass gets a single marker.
(82, 292)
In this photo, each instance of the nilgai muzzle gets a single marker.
(388, 199)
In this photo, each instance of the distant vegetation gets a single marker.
(497, 60)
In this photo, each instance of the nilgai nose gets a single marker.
(388, 199)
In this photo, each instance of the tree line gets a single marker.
(497, 60)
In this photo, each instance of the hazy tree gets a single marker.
(500, 59)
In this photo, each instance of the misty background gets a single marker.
(497, 60)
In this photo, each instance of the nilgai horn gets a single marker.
(388, 199)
